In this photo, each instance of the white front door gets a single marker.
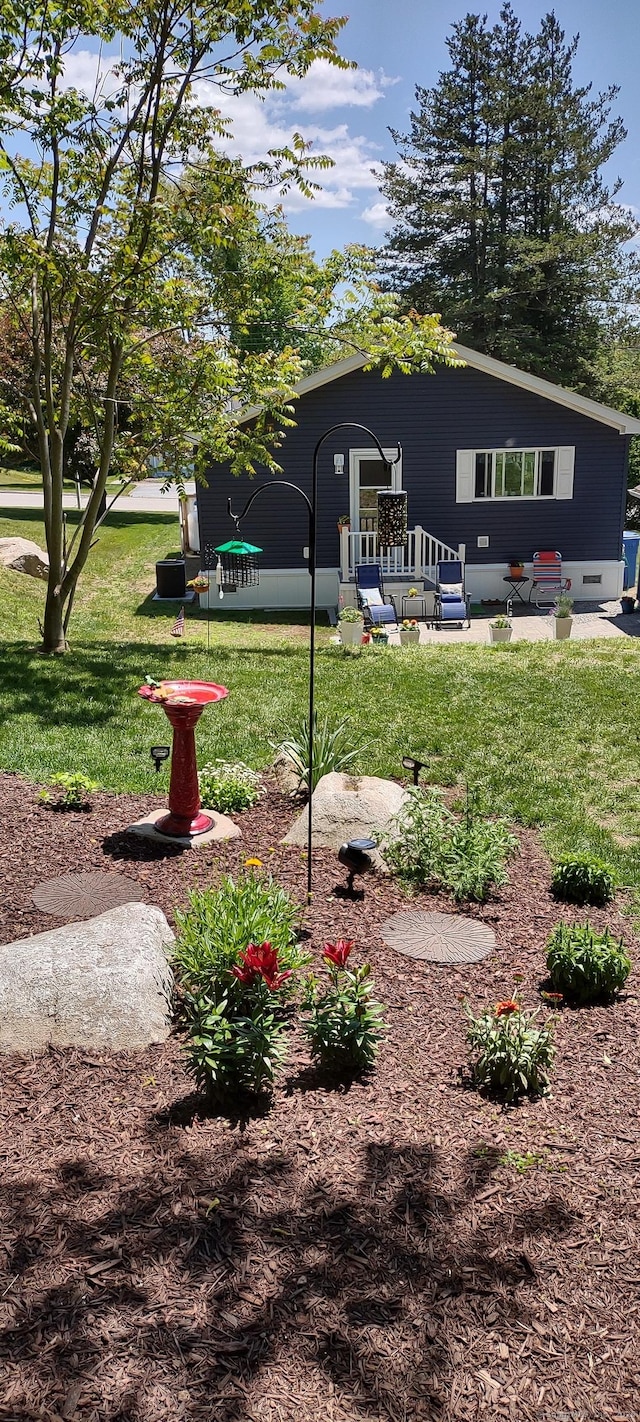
(369, 476)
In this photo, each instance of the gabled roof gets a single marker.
(592, 409)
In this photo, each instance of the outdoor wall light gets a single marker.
(158, 754)
(338, 463)
(415, 766)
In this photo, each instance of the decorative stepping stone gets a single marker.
(86, 895)
(438, 937)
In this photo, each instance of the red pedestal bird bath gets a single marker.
(184, 702)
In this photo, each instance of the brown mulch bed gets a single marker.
(348, 1255)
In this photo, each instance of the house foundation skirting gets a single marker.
(283, 588)
(591, 581)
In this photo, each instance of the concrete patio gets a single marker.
(590, 619)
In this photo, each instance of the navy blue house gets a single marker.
(496, 464)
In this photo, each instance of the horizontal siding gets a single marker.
(432, 417)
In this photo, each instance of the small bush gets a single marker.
(333, 749)
(584, 965)
(581, 879)
(345, 1023)
(229, 1054)
(510, 1056)
(229, 787)
(429, 846)
(350, 614)
(73, 790)
(218, 925)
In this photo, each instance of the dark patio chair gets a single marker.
(450, 597)
(378, 607)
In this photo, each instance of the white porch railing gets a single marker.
(417, 559)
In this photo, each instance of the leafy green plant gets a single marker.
(333, 749)
(73, 790)
(345, 1023)
(350, 614)
(429, 846)
(229, 786)
(219, 924)
(586, 966)
(235, 1043)
(582, 879)
(510, 1057)
(563, 606)
(501, 622)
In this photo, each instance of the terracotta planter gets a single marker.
(351, 633)
(500, 634)
(409, 635)
(562, 628)
(516, 570)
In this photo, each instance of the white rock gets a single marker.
(24, 557)
(347, 807)
(287, 777)
(104, 984)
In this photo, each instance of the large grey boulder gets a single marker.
(24, 557)
(347, 807)
(104, 984)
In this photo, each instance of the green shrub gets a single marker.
(429, 846)
(229, 787)
(584, 965)
(229, 1054)
(581, 879)
(333, 749)
(345, 1023)
(220, 923)
(73, 789)
(510, 1056)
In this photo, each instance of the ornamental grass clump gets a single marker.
(229, 787)
(581, 879)
(235, 1044)
(584, 965)
(333, 749)
(510, 1056)
(218, 924)
(345, 1022)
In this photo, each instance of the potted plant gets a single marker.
(409, 631)
(628, 602)
(344, 521)
(413, 602)
(500, 629)
(379, 637)
(562, 619)
(351, 626)
(516, 567)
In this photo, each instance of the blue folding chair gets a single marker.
(450, 597)
(378, 608)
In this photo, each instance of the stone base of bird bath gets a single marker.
(222, 828)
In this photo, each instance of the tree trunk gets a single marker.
(53, 634)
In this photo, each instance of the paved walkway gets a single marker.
(590, 619)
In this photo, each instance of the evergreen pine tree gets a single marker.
(502, 219)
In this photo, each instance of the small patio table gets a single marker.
(417, 598)
(517, 584)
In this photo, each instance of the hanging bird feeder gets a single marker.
(392, 519)
(236, 566)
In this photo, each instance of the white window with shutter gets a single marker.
(514, 474)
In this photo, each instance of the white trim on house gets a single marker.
(356, 456)
(616, 419)
(564, 457)
(284, 588)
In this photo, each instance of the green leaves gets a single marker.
(584, 965)
(509, 1055)
(345, 1024)
(427, 845)
(582, 879)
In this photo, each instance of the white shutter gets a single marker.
(564, 471)
(465, 475)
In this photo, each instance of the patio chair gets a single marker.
(378, 608)
(547, 581)
(450, 597)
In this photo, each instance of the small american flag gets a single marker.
(178, 627)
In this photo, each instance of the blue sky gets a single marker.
(398, 43)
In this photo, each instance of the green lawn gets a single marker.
(547, 731)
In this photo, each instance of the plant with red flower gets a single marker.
(553, 998)
(337, 953)
(502, 1009)
(260, 960)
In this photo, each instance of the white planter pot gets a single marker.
(351, 633)
(409, 635)
(500, 634)
(562, 628)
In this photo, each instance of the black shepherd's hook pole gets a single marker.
(312, 504)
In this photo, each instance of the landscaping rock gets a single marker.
(104, 984)
(24, 557)
(287, 777)
(347, 807)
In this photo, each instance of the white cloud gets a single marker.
(326, 87)
(377, 215)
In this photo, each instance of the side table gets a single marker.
(418, 598)
(517, 584)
